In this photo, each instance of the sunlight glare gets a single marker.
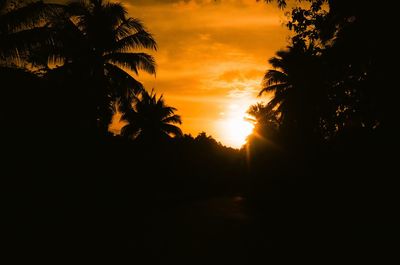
(233, 125)
(237, 129)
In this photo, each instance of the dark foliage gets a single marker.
(317, 174)
(324, 172)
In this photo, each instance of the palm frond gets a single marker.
(22, 42)
(274, 102)
(124, 81)
(130, 130)
(165, 110)
(46, 57)
(127, 27)
(141, 39)
(28, 16)
(125, 88)
(172, 129)
(274, 77)
(129, 115)
(115, 11)
(277, 63)
(133, 61)
(175, 119)
(273, 88)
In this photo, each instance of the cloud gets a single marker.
(230, 76)
(211, 54)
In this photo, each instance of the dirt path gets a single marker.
(214, 231)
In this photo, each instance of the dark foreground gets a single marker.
(210, 231)
(159, 208)
(222, 230)
(213, 231)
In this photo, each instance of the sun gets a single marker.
(234, 127)
(237, 130)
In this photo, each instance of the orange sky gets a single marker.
(211, 58)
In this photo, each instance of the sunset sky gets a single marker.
(211, 59)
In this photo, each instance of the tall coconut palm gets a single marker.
(96, 44)
(151, 119)
(299, 91)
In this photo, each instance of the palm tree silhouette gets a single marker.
(262, 114)
(300, 97)
(151, 119)
(266, 125)
(96, 43)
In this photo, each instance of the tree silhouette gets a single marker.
(281, 3)
(351, 44)
(22, 28)
(96, 44)
(300, 93)
(265, 135)
(150, 119)
(263, 114)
